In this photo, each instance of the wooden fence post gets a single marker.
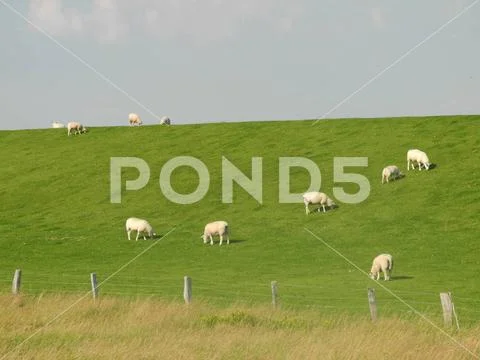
(454, 312)
(93, 281)
(274, 286)
(187, 289)
(448, 309)
(372, 303)
(17, 280)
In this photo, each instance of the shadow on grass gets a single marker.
(320, 209)
(431, 167)
(399, 177)
(154, 237)
(232, 241)
(236, 241)
(401, 277)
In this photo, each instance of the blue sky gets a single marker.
(217, 60)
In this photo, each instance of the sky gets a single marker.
(199, 61)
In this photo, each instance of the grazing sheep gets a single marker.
(57, 125)
(419, 157)
(315, 197)
(390, 172)
(75, 127)
(165, 120)
(140, 226)
(216, 228)
(382, 263)
(134, 119)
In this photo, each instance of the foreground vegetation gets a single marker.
(114, 328)
(58, 225)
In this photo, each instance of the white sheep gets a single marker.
(315, 197)
(419, 157)
(134, 119)
(382, 263)
(76, 128)
(57, 125)
(140, 226)
(165, 120)
(390, 172)
(216, 228)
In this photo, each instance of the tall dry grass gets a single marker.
(118, 328)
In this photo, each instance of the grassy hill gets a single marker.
(58, 224)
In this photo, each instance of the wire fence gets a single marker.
(223, 292)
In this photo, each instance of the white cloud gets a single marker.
(107, 20)
(51, 15)
(199, 21)
(103, 20)
(378, 18)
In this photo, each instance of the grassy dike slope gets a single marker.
(58, 225)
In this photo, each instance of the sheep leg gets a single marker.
(228, 239)
(138, 233)
(221, 240)
(128, 233)
(385, 274)
(307, 210)
(144, 238)
(323, 206)
(211, 239)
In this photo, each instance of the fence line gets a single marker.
(275, 293)
(157, 289)
(150, 283)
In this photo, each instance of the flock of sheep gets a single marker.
(142, 226)
(74, 127)
(134, 120)
(383, 262)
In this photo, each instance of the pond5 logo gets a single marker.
(253, 185)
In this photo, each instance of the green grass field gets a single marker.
(58, 224)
